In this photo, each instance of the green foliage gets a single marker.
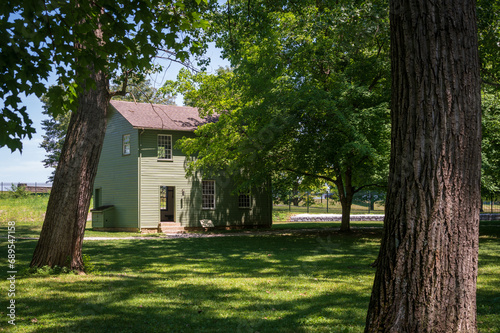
(370, 197)
(55, 128)
(279, 216)
(288, 188)
(45, 271)
(88, 265)
(490, 180)
(488, 14)
(18, 191)
(89, 268)
(308, 199)
(74, 39)
(199, 90)
(308, 95)
(488, 21)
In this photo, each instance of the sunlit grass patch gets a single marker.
(294, 283)
(28, 213)
(265, 284)
(488, 282)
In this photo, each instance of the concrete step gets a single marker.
(170, 227)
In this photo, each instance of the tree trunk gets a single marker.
(346, 194)
(63, 229)
(296, 195)
(372, 202)
(345, 225)
(427, 265)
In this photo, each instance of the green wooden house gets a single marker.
(141, 182)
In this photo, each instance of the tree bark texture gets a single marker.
(62, 233)
(427, 266)
(346, 194)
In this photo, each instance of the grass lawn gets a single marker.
(29, 213)
(266, 283)
(301, 283)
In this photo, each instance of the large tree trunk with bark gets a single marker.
(345, 224)
(345, 190)
(427, 265)
(62, 233)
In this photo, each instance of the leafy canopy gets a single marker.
(490, 179)
(488, 22)
(308, 92)
(65, 38)
(488, 13)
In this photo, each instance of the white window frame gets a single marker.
(208, 194)
(244, 201)
(126, 144)
(164, 141)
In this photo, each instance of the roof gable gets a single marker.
(161, 117)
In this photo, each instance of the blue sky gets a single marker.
(27, 167)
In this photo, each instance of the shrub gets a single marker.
(88, 265)
(19, 191)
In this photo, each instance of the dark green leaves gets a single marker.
(488, 12)
(68, 38)
(309, 92)
(490, 180)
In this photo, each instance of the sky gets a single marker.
(27, 167)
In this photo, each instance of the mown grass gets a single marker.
(259, 283)
(229, 284)
(266, 283)
(29, 212)
(26, 211)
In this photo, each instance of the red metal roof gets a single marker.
(162, 117)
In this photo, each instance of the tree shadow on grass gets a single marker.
(23, 229)
(189, 308)
(199, 285)
(312, 283)
(488, 283)
(323, 255)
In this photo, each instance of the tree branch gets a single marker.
(172, 57)
(490, 83)
(356, 190)
(493, 83)
(375, 81)
(123, 91)
(311, 175)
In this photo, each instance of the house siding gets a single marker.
(117, 174)
(155, 173)
(188, 209)
(131, 184)
(227, 212)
